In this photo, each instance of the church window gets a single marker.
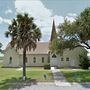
(34, 59)
(26, 60)
(53, 56)
(62, 59)
(42, 59)
(67, 59)
(10, 60)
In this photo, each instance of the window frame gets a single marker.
(10, 60)
(34, 59)
(42, 59)
(67, 59)
(62, 59)
(26, 60)
(54, 56)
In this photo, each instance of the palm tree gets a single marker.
(24, 34)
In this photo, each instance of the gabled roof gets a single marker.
(42, 48)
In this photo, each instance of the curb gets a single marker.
(46, 83)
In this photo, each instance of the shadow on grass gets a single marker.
(16, 83)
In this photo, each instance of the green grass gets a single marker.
(10, 77)
(78, 75)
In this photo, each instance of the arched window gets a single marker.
(26, 60)
(67, 59)
(34, 59)
(10, 60)
(54, 56)
(62, 59)
(42, 59)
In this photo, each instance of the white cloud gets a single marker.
(9, 11)
(71, 19)
(7, 21)
(3, 20)
(33, 7)
(43, 16)
(58, 19)
(72, 14)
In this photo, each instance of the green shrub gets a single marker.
(84, 61)
(47, 66)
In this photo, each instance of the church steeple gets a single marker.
(53, 33)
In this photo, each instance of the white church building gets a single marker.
(41, 56)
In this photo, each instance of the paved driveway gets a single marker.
(54, 87)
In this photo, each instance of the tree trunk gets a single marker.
(24, 64)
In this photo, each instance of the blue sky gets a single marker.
(42, 10)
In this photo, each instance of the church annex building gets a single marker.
(41, 55)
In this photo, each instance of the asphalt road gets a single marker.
(54, 87)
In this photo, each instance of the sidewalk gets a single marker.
(59, 79)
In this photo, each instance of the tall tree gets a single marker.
(75, 34)
(24, 34)
(83, 27)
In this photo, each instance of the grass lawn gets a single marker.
(76, 75)
(11, 76)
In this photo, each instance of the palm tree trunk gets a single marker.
(24, 64)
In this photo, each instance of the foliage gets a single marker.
(53, 46)
(84, 61)
(47, 66)
(83, 23)
(24, 34)
(73, 34)
(22, 31)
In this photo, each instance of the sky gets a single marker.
(43, 12)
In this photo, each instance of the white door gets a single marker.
(53, 61)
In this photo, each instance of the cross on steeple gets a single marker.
(53, 33)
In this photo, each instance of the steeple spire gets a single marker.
(53, 33)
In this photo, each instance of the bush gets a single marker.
(84, 61)
(47, 66)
